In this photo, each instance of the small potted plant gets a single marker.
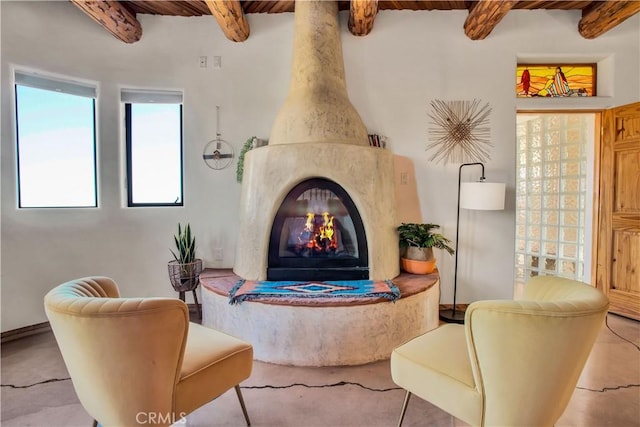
(248, 145)
(185, 268)
(416, 247)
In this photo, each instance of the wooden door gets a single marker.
(617, 238)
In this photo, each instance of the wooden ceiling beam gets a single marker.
(484, 15)
(605, 15)
(230, 17)
(362, 13)
(114, 17)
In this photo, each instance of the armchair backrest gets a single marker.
(527, 355)
(123, 354)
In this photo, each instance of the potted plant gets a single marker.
(248, 145)
(416, 247)
(185, 268)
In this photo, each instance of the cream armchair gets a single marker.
(513, 363)
(138, 361)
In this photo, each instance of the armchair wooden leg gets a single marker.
(95, 423)
(244, 408)
(404, 407)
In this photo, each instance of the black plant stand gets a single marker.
(181, 295)
(185, 278)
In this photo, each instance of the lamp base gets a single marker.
(450, 316)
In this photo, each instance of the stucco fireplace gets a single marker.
(318, 203)
(318, 135)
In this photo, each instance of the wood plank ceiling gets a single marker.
(119, 17)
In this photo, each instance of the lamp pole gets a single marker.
(451, 316)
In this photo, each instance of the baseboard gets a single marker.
(461, 307)
(26, 331)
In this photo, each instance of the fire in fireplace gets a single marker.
(317, 237)
(317, 234)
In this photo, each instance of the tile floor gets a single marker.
(36, 391)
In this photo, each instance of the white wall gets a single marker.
(409, 59)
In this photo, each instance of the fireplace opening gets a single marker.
(317, 234)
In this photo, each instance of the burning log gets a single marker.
(318, 236)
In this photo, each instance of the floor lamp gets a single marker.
(479, 195)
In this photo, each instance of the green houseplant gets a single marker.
(185, 268)
(416, 246)
(248, 145)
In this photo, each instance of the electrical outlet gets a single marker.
(203, 62)
(217, 254)
(404, 178)
(217, 62)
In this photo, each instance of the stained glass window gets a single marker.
(555, 80)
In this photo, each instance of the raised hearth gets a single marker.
(322, 333)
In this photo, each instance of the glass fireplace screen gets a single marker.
(317, 227)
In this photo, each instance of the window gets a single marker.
(553, 220)
(153, 122)
(56, 142)
(555, 80)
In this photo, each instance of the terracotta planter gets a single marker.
(418, 267)
(418, 260)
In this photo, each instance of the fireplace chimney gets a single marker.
(317, 108)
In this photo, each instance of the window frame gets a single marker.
(69, 87)
(129, 166)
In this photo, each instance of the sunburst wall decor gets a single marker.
(459, 131)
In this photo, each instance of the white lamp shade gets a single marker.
(486, 196)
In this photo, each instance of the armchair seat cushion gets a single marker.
(213, 363)
(436, 367)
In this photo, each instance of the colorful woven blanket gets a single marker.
(247, 290)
